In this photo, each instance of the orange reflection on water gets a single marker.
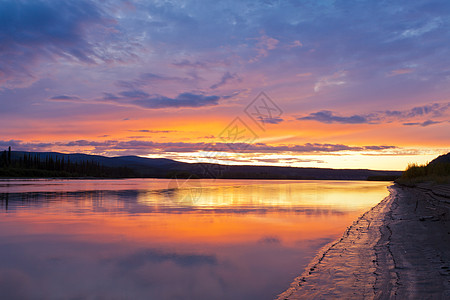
(190, 228)
(227, 239)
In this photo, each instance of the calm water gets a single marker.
(162, 239)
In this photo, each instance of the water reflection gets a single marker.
(141, 239)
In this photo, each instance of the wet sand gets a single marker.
(400, 249)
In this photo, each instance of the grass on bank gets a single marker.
(433, 172)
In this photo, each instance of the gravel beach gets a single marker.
(400, 249)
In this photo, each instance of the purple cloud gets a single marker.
(144, 100)
(423, 124)
(145, 147)
(432, 110)
(64, 97)
(268, 120)
(146, 79)
(225, 79)
(32, 31)
(326, 116)
(134, 94)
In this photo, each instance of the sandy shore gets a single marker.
(400, 249)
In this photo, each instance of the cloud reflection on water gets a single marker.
(137, 239)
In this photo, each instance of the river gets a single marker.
(168, 239)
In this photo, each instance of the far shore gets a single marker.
(398, 249)
(190, 178)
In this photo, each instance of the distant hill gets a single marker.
(441, 159)
(140, 166)
(166, 168)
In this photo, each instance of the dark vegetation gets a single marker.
(438, 171)
(35, 165)
(53, 164)
(383, 177)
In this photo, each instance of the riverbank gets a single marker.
(397, 250)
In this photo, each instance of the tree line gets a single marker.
(34, 165)
(5, 158)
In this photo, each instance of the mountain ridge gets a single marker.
(444, 158)
(167, 168)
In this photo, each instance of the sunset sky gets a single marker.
(340, 84)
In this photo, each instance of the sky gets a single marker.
(332, 84)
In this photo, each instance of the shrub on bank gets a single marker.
(438, 172)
